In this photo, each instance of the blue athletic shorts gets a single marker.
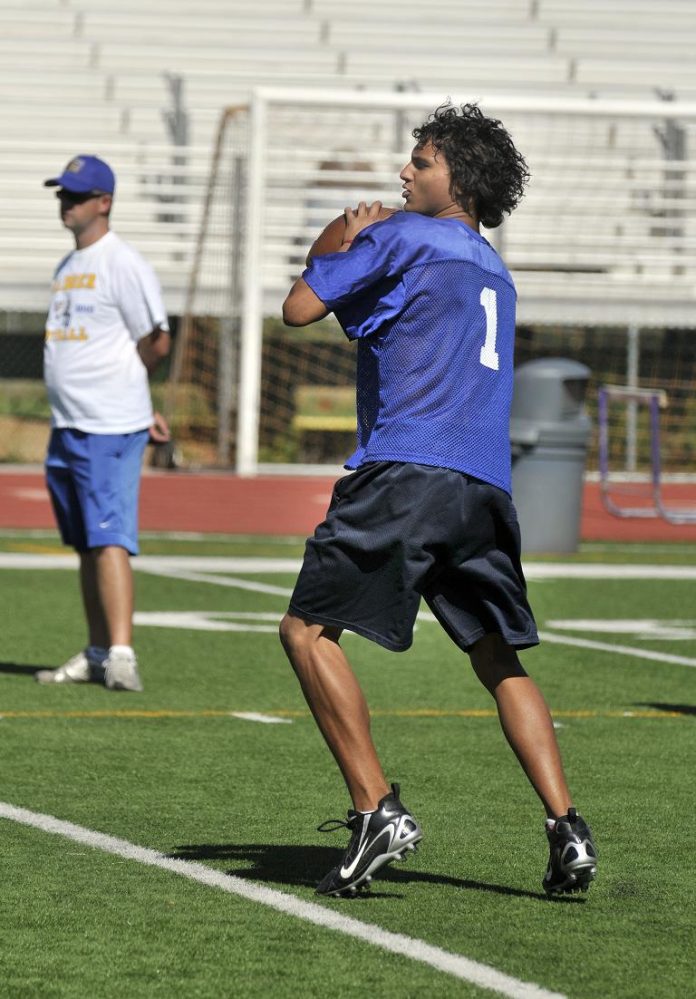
(398, 532)
(94, 480)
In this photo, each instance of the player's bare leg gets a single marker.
(527, 724)
(382, 829)
(97, 626)
(88, 665)
(114, 584)
(338, 705)
(113, 576)
(525, 719)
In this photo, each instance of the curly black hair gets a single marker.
(488, 173)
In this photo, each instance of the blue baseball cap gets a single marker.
(84, 174)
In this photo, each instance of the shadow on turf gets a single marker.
(21, 670)
(680, 709)
(305, 865)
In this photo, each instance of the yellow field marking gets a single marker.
(290, 713)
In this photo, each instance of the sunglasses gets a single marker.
(77, 198)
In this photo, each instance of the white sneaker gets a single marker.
(79, 669)
(122, 671)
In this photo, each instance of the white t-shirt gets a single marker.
(105, 298)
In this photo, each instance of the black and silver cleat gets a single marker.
(389, 833)
(573, 855)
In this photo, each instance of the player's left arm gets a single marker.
(159, 431)
(345, 228)
(153, 348)
(138, 296)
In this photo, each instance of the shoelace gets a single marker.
(331, 825)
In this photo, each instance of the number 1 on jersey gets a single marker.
(489, 356)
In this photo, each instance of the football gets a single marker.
(331, 238)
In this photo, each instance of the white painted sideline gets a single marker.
(324, 917)
(210, 564)
(160, 564)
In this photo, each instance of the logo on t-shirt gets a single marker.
(75, 282)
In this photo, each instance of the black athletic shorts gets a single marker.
(396, 532)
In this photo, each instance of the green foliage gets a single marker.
(24, 398)
(325, 331)
(188, 405)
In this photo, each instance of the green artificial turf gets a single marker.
(172, 770)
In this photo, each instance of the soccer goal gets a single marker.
(604, 242)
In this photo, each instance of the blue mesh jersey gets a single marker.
(432, 307)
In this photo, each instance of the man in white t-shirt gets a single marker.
(106, 332)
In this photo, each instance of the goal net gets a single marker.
(602, 250)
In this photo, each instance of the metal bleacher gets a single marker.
(91, 76)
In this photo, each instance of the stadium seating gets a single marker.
(91, 76)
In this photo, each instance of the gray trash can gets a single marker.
(549, 432)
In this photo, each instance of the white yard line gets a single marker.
(211, 569)
(456, 965)
(215, 563)
(254, 716)
(237, 621)
(232, 581)
(585, 570)
(621, 650)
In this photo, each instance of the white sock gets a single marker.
(550, 823)
(124, 650)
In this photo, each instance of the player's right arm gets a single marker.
(302, 306)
